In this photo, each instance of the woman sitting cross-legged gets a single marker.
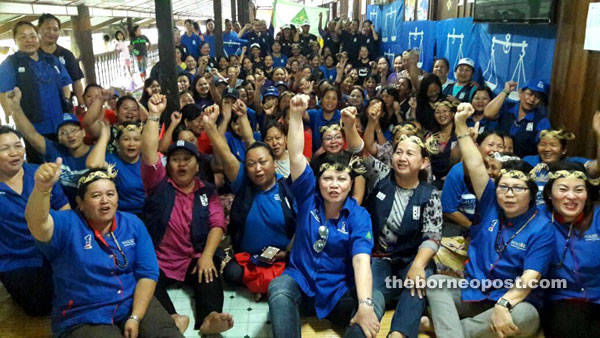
(329, 271)
(186, 222)
(511, 248)
(103, 262)
(263, 213)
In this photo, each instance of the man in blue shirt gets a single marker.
(42, 78)
(232, 44)
(191, 40)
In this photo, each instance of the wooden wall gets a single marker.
(575, 88)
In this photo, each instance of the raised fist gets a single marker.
(47, 174)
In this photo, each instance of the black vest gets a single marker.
(463, 95)
(159, 206)
(243, 202)
(379, 204)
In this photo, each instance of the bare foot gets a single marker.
(216, 323)
(181, 322)
(426, 325)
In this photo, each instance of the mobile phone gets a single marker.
(268, 255)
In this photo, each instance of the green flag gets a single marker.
(286, 13)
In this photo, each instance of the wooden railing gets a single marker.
(110, 71)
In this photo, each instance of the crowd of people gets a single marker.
(308, 170)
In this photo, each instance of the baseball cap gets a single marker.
(271, 91)
(231, 92)
(256, 44)
(191, 111)
(68, 118)
(466, 61)
(286, 26)
(305, 23)
(182, 144)
(537, 85)
(281, 83)
(222, 81)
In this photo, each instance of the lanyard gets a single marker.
(99, 237)
(499, 239)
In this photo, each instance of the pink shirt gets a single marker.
(175, 250)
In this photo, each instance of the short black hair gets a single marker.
(22, 23)
(260, 144)
(45, 17)
(91, 86)
(4, 129)
(481, 137)
(524, 167)
(444, 60)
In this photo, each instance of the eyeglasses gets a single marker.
(319, 245)
(69, 132)
(515, 190)
(331, 138)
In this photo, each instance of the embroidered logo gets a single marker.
(128, 242)
(88, 242)
(591, 238)
(204, 200)
(529, 126)
(416, 213)
(21, 69)
(540, 85)
(518, 245)
(493, 225)
(343, 229)
(369, 236)
(276, 197)
(380, 196)
(315, 215)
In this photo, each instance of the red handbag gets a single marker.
(257, 278)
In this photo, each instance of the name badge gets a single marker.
(21, 69)
(481, 129)
(354, 39)
(368, 40)
(416, 213)
(62, 60)
(461, 96)
(193, 42)
(453, 144)
(380, 196)
(529, 126)
(204, 200)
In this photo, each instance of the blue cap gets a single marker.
(182, 144)
(271, 91)
(537, 85)
(68, 118)
(230, 92)
(281, 83)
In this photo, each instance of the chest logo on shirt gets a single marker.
(529, 126)
(343, 229)
(591, 238)
(62, 60)
(88, 242)
(204, 200)
(380, 196)
(493, 225)
(129, 242)
(276, 197)
(21, 69)
(193, 42)
(354, 39)
(416, 213)
(315, 215)
(518, 245)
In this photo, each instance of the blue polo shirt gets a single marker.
(580, 267)
(329, 74)
(17, 246)
(542, 174)
(316, 121)
(265, 221)
(192, 43)
(526, 132)
(280, 61)
(531, 249)
(484, 124)
(456, 195)
(129, 184)
(328, 275)
(51, 75)
(89, 286)
(237, 145)
(72, 168)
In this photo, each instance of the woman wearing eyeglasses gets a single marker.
(574, 310)
(329, 271)
(103, 262)
(511, 247)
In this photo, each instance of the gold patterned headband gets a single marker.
(504, 158)
(330, 127)
(559, 134)
(518, 174)
(131, 127)
(431, 145)
(408, 128)
(553, 175)
(110, 173)
(355, 166)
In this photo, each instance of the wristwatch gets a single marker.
(154, 118)
(136, 318)
(504, 303)
(367, 301)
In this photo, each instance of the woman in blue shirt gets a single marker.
(573, 310)
(329, 270)
(510, 250)
(103, 261)
(316, 118)
(127, 162)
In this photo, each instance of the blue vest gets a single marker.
(243, 202)
(379, 204)
(463, 95)
(158, 208)
(525, 140)
(28, 84)
(440, 163)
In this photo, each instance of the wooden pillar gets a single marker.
(129, 26)
(166, 53)
(82, 31)
(344, 8)
(356, 9)
(334, 10)
(233, 10)
(243, 12)
(218, 27)
(574, 94)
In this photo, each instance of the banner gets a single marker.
(515, 53)
(286, 13)
(421, 35)
(374, 14)
(455, 41)
(391, 21)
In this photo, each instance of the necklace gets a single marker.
(566, 248)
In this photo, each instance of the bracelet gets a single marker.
(136, 318)
(154, 118)
(506, 92)
(44, 193)
(463, 135)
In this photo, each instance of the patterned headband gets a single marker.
(408, 128)
(355, 166)
(330, 127)
(110, 173)
(553, 175)
(504, 158)
(518, 174)
(431, 145)
(131, 127)
(559, 134)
